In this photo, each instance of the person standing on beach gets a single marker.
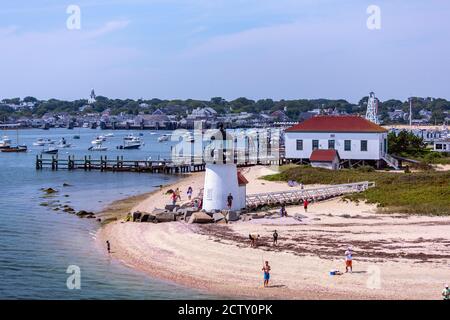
(305, 205)
(229, 201)
(275, 238)
(266, 270)
(108, 246)
(174, 198)
(189, 192)
(446, 293)
(178, 194)
(283, 211)
(348, 260)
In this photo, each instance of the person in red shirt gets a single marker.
(305, 205)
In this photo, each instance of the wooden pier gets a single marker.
(117, 165)
(255, 201)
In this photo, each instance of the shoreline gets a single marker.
(217, 259)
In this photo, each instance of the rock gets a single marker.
(66, 185)
(232, 216)
(69, 210)
(165, 217)
(99, 220)
(50, 190)
(157, 211)
(44, 204)
(218, 216)
(136, 216)
(200, 217)
(66, 195)
(83, 214)
(170, 207)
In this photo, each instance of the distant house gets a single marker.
(356, 140)
(442, 145)
(326, 158)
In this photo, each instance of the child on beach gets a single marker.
(348, 260)
(253, 237)
(189, 193)
(305, 205)
(266, 269)
(283, 211)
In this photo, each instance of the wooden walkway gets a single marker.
(117, 165)
(255, 201)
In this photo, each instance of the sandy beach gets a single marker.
(395, 256)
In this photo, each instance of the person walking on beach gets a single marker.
(266, 270)
(348, 260)
(229, 201)
(305, 205)
(283, 211)
(275, 238)
(108, 246)
(189, 192)
(446, 293)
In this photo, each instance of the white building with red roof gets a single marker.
(356, 140)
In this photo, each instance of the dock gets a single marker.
(118, 164)
(292, 197)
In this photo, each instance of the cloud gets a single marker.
(108, 27)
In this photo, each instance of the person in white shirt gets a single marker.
(348, 259)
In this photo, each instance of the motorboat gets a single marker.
(39, 142)
(15, 149)
(63, 144)
(5, 143)
(164, 137)
(134, 143)
(96, 141)
(50, 150)
(98, 147)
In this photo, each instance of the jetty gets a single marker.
(119, 164)
(255, 201)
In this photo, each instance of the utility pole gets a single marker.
(410, 112)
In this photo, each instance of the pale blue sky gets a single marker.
(280, 49)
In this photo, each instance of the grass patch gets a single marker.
(415, 193)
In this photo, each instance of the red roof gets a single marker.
(336, 124)
(323, 155)
(241, 179)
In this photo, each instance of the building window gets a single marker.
(438, 146)
(347, 145)
(330, 144)
(363, 145)
(299, 144)
(315, 144)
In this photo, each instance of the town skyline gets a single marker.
(202, 49)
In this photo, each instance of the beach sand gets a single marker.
(395, 256)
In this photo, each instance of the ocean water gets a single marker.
(37, 244)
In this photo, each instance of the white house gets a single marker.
(442, 145)
(327, 159)
(356, 139)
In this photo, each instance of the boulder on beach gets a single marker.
(218, 216)
(165, 217)
(232, 215)
(136, 216)
(65, 184)
(171, 207)
(69, 210)
(200, 217)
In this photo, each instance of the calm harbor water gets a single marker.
(38, 244)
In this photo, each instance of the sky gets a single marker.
(179, 49)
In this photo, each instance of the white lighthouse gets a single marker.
(221, 179)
